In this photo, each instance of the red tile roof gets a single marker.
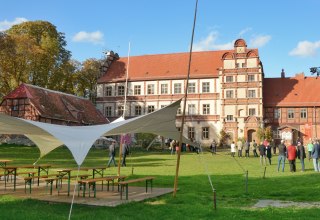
(293, 91)
(58, 105)
(165, 66)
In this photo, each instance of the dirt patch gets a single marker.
(283, 204)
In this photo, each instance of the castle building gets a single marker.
(224, 91)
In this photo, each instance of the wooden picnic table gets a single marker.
(67, 173)
(12, 170)
(42, 168)
(96, 170)
(3, 162)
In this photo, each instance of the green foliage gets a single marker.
(224, 137)
(265, 133)
(145, 138)
(194, 198)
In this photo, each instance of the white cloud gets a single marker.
(259, 40)
(209, 43)
(244, 31)
(5, 25)
(305, 49)
(93, 37)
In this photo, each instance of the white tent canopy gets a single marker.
(79, 139)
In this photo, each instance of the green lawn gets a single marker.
(194, 199)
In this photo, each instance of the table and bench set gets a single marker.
(85, 183)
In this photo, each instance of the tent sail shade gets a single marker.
(44, 140)
(79, 139)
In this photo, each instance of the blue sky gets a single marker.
(285, 32)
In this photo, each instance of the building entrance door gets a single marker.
(252, 135)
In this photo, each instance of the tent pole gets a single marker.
(184, 105)
(120, 153)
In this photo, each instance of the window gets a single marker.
(120, 90)
(150, 90)
(191, 109)
(15, 108)
(137, 110)
(206, 109)
(243, 65)
(192, 88)
(191, 133)
(252, 111)
(137, 90)
(303, 113)
(251, 78)
(251, 93)
(229, 78)
(276, 134)
(179, 111)
(237, 65)
(108, 91)
(205, 133)
(290, 113)
(205, 87)
(150, 108)
(164, 88)
(108, 111)
(177, 88)
(229, 94)
(276, 113)
(120, 110)
(229, 117)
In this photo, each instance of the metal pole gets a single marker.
(214, 199)
(247, 181)
(184, 106)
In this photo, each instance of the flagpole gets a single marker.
(184, 105)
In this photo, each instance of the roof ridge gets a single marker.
(53, 91)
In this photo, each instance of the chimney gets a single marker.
(110, 56)
(283, 74)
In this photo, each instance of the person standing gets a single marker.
(239, 145)
(268, 153)
(262, 151)
(282, 155)
(172, 146)
(125, 152)
(301, 154)
(213, 147)
(233, 149)
(274, 147)
(112, 153)
(246, 148)
(254, 147)
(310, 148)
(315, 155)
(292, 155)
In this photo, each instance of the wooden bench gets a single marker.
(92, 183)
(124, 184)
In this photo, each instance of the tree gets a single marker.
(224, 137)
(34, 52)
(87, 77)
(265, 133)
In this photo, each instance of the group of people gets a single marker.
(289, 152)
(112, 153)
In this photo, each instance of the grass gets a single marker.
(194, 199)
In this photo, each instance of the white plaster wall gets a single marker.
(241, 93)
(100, 90)
(228, 64)
(252, 62)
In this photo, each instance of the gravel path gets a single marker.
(282, 204)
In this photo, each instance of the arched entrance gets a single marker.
(252, 135)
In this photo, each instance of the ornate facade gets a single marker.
(224, 91)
